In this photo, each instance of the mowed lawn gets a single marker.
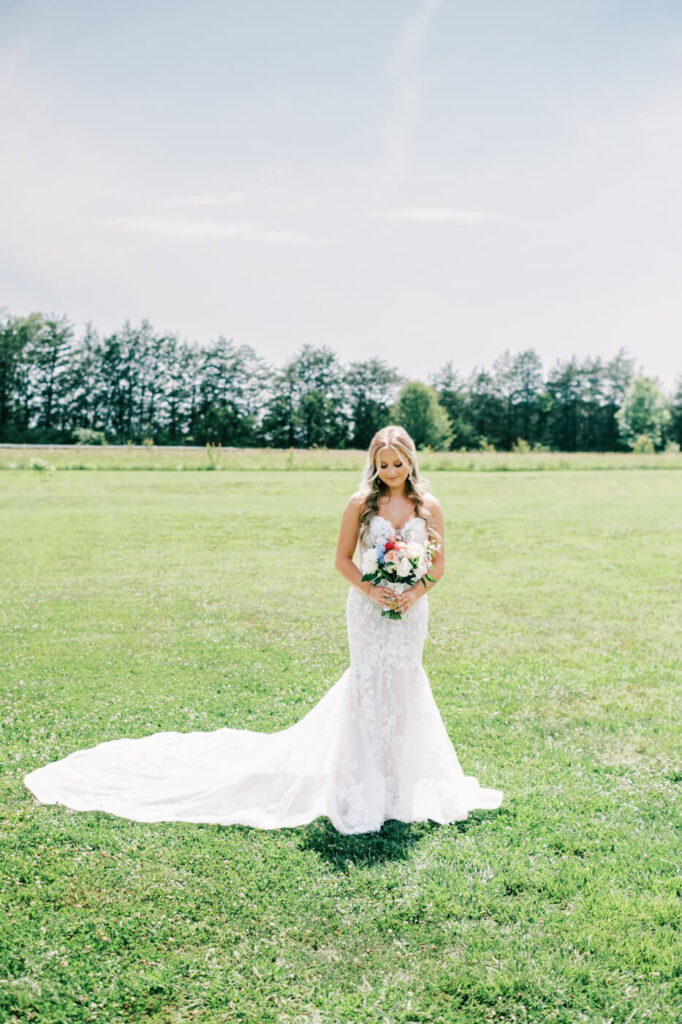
(138, 601)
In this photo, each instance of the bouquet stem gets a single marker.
(391, 613)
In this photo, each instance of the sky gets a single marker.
(418, 180)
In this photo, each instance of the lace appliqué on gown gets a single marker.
(373, 748)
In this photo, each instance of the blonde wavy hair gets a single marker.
(372, 488)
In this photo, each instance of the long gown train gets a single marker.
(373, 748)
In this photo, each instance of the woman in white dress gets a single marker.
(373, 748)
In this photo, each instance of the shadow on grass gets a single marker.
(394, 841)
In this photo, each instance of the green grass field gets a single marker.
(48, 457)
(138, 601)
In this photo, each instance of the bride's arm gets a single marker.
(345, 549)
(438, 566)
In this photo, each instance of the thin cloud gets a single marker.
(400, 122)
(440, 214)
(156, 227)
(206, 200)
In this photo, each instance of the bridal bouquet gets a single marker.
(398, 565)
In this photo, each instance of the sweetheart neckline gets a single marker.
(398, 529)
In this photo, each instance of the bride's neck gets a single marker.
(395, 492)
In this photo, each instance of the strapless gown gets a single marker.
(373, 748)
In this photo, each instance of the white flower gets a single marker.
(414, 549)
(370, 561)
(404, 567)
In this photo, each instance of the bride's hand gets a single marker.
(405, 600)
(382, 595)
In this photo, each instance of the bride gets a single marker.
(373, 748)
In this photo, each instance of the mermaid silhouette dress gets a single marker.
(373, 748)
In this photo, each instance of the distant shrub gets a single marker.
(644, 444)
(521, 446)
(40, 465)
(86, 435)
(672, 446)
(484, 445)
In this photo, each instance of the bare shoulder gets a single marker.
(356, 501)
(350, 527)
(354, 506)
(432, 504)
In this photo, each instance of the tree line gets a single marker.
(136, 385)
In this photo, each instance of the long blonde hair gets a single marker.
(372, 488)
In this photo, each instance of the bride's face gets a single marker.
(393, 470)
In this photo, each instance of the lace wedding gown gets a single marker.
(373, 748)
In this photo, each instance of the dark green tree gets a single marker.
(453, 395)
(232, 383)
(618, 373)
(279, 426)
(644, 414)
(487, 409)
(86, 404)
(675, 427)
(308, 403)
(181, 389)
(423, 417)
(592, 401)
(116, 385)
(518, 384)
(48, 355)
(372, 387)
(16, 338)
(564, 385)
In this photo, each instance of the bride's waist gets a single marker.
(360, 596)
